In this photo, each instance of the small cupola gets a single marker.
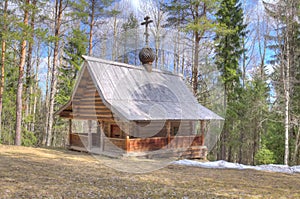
(147, 55)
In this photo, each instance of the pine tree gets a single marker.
(3, 54)
(128, 27)
(193, 16)
(229, 49)
(74, 49)
(21, 74)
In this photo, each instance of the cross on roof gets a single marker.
(146, 23)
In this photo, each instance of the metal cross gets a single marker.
(146, 23)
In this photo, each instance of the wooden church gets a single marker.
(135, 111)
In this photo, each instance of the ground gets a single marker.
(56, 173)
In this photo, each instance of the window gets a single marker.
(175, 131)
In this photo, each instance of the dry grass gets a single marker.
(46, 173)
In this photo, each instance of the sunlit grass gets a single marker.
(49, 173)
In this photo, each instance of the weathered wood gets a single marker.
(178, 144)
(91, 107)
(89, 117)
(169, 132)
(79, 140)
(114, 144)
(127, 144)
(146, 144)
(89, 86)
(79, 101)
(90, 100)
(89, 135)
(102, 136)
(95, 116)
(70, 132)
(91, 112)
(202, 124)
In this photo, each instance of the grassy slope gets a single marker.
(45, 173)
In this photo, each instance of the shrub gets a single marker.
(28, 138)
(264, 156)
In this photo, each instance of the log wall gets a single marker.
(156, 143)
(87, 103)
(158, 128)
(136, 144)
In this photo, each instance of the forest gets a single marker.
(239, 57)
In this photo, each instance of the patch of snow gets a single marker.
(221, 164)
(296, 169)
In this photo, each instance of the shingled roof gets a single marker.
(133, 93)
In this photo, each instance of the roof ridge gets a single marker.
(120, 64)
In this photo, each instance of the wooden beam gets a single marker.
(127, 144)
(126, 129)
(90, 142)
(87, 115)
(202, 124)
(92, 107)
(92, 113)
(70, 132)
(91, 110)
(168, 126)
(86, 99)
(102, 136)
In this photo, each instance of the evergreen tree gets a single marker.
(229, 49)
(194, 17)
(19, 101)
(74, 49)
(285, 44)
(129, 28)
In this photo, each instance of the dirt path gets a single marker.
(44, 173)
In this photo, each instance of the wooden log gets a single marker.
(86, 99)
(88, 118)
(91, 112)
(87, 87)
(100, 107)
(90, 115)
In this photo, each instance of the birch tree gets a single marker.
(59, 8)
(286, 16)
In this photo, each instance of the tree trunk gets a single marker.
(29, 68)
(287, 103)
(195, 65)
(224, 133)
(297, 145)
(44, 136)
(241, 139)
(36, 85)
(114, 53)
(58, 18)
(91, 28)
(20, 80)
(3, 51)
